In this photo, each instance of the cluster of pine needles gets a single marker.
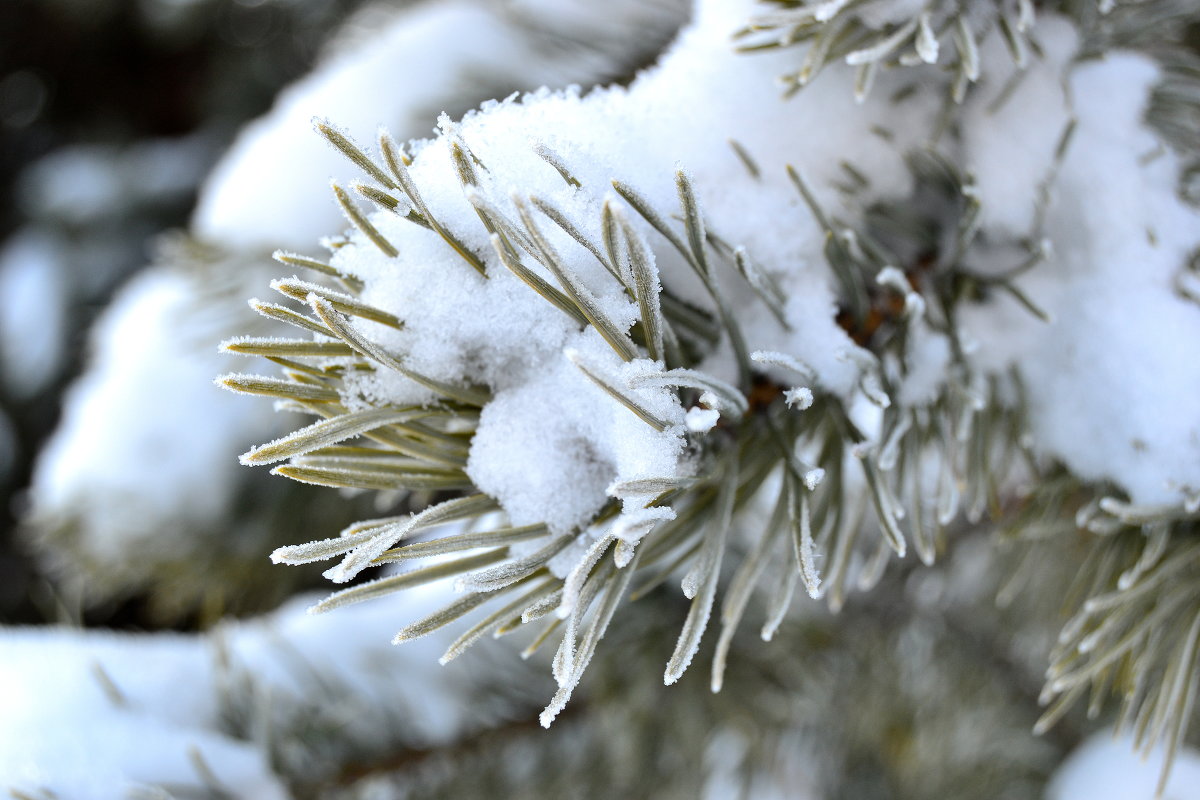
(786, 479)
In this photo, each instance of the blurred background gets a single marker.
(111, 113)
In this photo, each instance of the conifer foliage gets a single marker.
(831, 283)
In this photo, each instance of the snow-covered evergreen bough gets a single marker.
(753, 337)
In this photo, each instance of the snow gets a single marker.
(88, 184)
(32, 329)
(91, 714)
(1009, 157)
(144, 429)
(62, 732)
(561, 436)
(1108, 768)
(425, 59)
(702, 420)
(1121, 343)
